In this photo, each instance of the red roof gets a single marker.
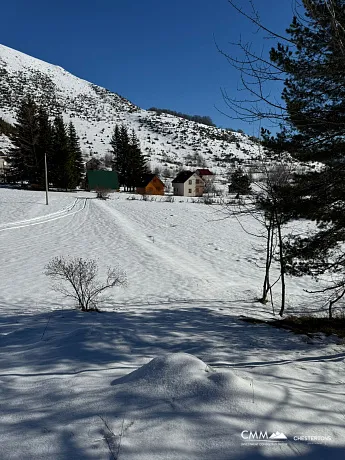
(204, 172)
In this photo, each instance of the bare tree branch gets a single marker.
(81, 276)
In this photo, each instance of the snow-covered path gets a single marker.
(65, 391)
(162, 262)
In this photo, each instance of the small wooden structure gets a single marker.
(151, 185)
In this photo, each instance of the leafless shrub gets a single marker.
(81, 278)
(102, 193)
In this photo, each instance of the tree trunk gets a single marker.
(332, 302)
(269, 256)
(330, 309)
(282, 268)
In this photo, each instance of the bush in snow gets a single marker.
(82, 285)
(102, 193)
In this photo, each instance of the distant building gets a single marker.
(188, 183)
(102, 180)
(4, 168)
(208, 177)
(151, 185)
(94, 164)
(204, 173)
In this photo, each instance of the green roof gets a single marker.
(102, 179)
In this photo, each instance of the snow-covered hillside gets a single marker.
(169, 141)
(167, 370)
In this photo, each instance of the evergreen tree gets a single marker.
(33, 137)
(137, 165)
(24, 160)
(44, 142)
(60, 167)
(6, 128)
(129, 161)
(75, 160)
(240, 182)
(314, 94)
(120, 146)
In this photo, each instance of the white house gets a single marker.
(188, 183)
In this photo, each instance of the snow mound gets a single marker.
(181, 375)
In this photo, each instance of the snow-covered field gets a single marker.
(167, 370)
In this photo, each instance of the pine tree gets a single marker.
(24, 160)
(44, 142)
(75, 160)
(137, 165)
(120, 147)
(240, 182)
(314, 94)
(116, 148)
(60, 168)
(129, 161)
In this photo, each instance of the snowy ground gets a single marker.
(168, 370)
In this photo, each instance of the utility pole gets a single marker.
(46, 175)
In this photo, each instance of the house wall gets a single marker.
(155, 187)
(194, 186)
(178, 189)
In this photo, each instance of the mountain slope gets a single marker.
(169, 141)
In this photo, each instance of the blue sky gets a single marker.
(153, 52)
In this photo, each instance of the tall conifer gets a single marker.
(44, 142)
(59, 166)
(23, 158)
(128, 161)
(75, 160)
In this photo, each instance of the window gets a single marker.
(189, 190)
(190, 182)
(197, 181)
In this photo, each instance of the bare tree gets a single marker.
(259, 75)
(80, 275)
(209, 187)
(108, 160)
(274, 202)
(306, 64)
(267, 205)
(334, 292)
(102, 192)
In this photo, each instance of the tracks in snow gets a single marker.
(177, 259)
(77, 206)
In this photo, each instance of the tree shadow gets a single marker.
(57, 369)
